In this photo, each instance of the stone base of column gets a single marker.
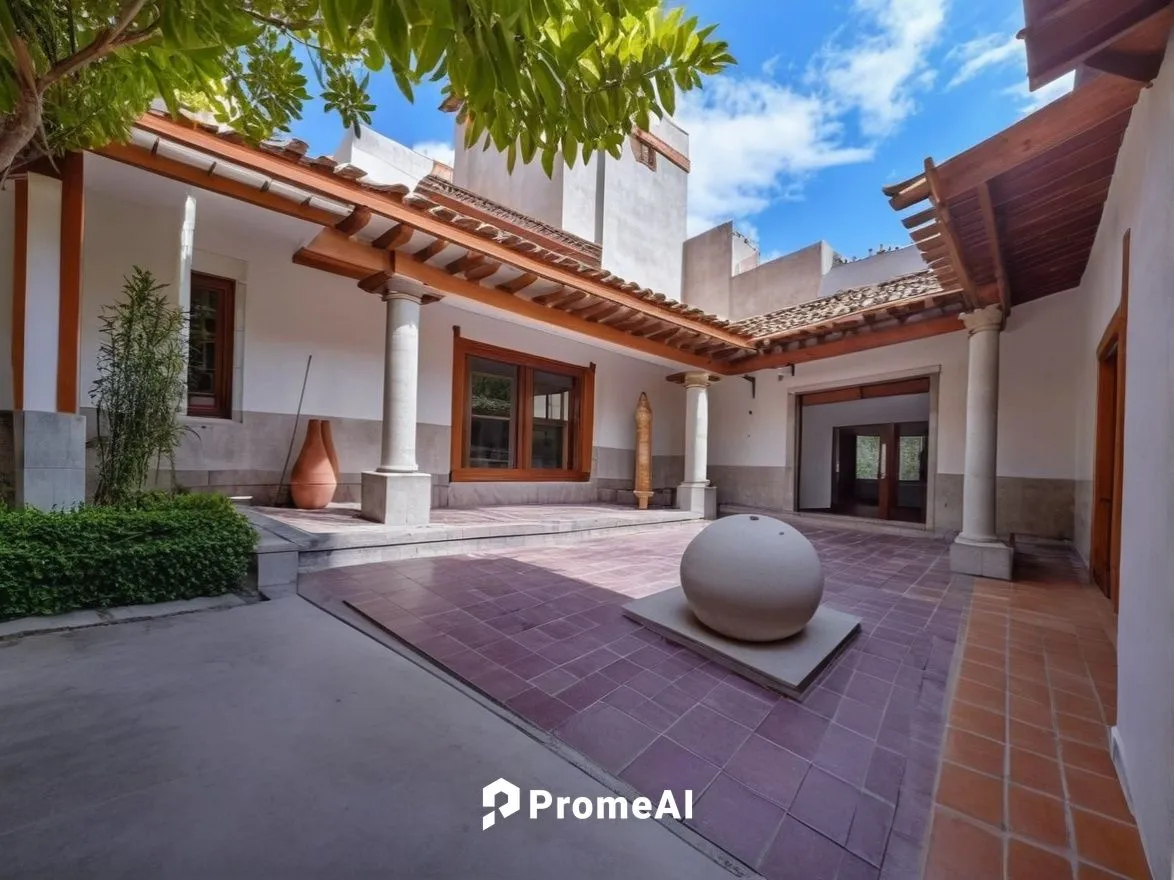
(989, 559)
(698, 498)
(396, 499)
(48, 460)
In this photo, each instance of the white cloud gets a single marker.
(878, 70)
(438, 151)
(755, 141)
(752, 142)
(1030, 101)
(983, 53)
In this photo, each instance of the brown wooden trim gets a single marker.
(991, 224)
(20, 258)
(221, 407)
(675, 156)
(581, 418)
(340, 189)
(73, 208)
(398, 235)
(919, 385)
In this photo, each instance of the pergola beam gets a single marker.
(991, 223)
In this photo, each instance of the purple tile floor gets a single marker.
(838, 786)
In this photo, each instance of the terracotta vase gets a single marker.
(315, 473)
(643, 484)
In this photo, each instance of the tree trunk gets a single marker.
(18, 128)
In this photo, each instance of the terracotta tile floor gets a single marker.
(838, 786)
(1027, 788)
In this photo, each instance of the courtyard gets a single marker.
(962, 733)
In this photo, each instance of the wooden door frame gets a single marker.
(1109, 469)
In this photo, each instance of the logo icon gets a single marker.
(489, 794)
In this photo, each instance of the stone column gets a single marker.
(977, 549)
(695, 494)
(396, 492)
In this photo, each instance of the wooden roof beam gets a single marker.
(355, 221)
(1140, 67)
(517, 284)
(429, 251)
(991, 222)
(460, 265)
(484, 270)
(397, 236)
(948, 236)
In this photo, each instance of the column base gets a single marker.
(49, 460)
(989, 559)
(698, 498)
(396, 499)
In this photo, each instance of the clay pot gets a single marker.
(315, 473)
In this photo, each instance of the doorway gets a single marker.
(866, 451)
(880, 471)
(1109, 465)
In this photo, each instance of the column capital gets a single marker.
(988, 318)
(693, 379)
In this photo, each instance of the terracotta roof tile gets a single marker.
(917, 285)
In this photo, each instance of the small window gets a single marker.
(210, 337)
(911, 452)
(518, 417)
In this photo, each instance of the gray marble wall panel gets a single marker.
(1023, 506)
(767, 488)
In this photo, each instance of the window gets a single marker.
(210, 346)
(519, 417)
(868, 465)
(911, 460)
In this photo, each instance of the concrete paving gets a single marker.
(275, 741)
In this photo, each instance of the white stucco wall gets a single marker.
(290, 312)
(870, 270)
(527, 190)
(7, 208)
(1037, 405)
(1141, 200)
(815, 464)
(384, 160)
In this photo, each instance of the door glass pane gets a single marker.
(551, 442)
(910, 452)
(493, 402)
(202, 339)
(867, 457)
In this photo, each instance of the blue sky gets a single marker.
(829, 101)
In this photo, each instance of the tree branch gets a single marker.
(103, 44)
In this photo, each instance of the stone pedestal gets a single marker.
(699, 498)
(49, 453)
(396, 499)
(989, 559)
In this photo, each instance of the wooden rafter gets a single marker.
(462, 264)
(991, 222)
(948, 236)
(355, 221)
(429, 251)
(486, 269)
(397, 236)
(518, 284)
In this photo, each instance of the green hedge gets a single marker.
(154, 549)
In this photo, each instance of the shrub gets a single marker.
(153, 548)
(139, 387)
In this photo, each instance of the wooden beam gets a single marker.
(913, 191)
(461, 264)
(69, 319)
(376, 281)
(483, 271)
(429, 251)
(517, 284)
(919, 219)
(559, 298)
(128, 154)
(599, 311)
(991, 222)
(332, 251)
(337, 188)
(948, 236)
(1072, 32)
(1035, 135)
(355, 221)
(1140, 67)
(397, 236)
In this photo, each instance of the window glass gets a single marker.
(493, 401)
(550, 436)
(910, 453)
(867, 457)
(210, 346)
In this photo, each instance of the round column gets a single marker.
(401, 367)
(982, 425)
(697, 428)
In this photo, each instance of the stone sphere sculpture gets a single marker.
(752, 578)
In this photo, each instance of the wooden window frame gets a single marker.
(221, 407)
(582, 416)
